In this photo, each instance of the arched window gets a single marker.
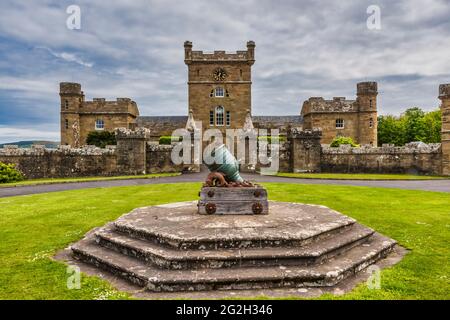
(219, 92)
(99, 124)
(219, 115)
(371, 123)
(339, 123)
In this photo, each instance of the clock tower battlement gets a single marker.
(219, 86)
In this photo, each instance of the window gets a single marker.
(339, 123)
(198, 72)
(211, 94)
(66, 104)
(371, 123)
(219, 93)
(211, 118)
(99, 124)
(66, 124)
(228, 119)
(240, 72)
(370, 103)
(219, 116)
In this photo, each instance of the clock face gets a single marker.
(219, 74)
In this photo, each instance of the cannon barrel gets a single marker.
(225, 163)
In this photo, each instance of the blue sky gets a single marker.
(135, 49)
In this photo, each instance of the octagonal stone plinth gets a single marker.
(172, 248)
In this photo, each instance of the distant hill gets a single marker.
(28, 144)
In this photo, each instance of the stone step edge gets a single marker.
(176, 259)
(310, 277)
(179, 243)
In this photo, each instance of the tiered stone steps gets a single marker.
(141, 248)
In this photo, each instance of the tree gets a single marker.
(101, 139)
(413, 125)
(433, 125)
(391, 130)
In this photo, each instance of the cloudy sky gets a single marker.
(135, 49)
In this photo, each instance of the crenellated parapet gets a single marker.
(444, 91)
(367, 88)
(219, 55)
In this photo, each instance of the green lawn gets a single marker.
(84, 179)
(358, 176)
(33, 228)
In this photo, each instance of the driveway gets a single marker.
(426, 185)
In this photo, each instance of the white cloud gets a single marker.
(69, 57)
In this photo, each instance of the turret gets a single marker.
(366, 93)
(367, 96)
(72, 99)
(444, 96)
(71, 96)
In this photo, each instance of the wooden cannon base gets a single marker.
(234, 200)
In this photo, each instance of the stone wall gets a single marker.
(131, 150)
(305, 150)
(159, 159)
(414, 158)
(39, 162)
(133, 155)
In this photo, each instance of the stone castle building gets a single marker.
(79, 117)
(220, 97)
(341, 117)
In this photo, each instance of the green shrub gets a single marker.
(101, 139)
(343, 140)
(168, 139)
(9, 173)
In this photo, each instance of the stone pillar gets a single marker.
(305, 150)
(131, 150)
(444, 96)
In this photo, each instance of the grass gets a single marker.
(33, 228)
(358, 176)
(84, 179)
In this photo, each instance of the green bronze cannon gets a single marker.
(224, 170)
(226, 192)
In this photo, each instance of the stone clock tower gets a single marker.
(219, 86)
